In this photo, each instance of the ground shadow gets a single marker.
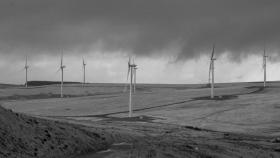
(220, 97)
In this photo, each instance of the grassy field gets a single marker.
(249, 109)
(239, 108)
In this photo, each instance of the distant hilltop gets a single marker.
(42, 83)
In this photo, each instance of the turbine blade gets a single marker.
(264, 58)
(61, 59)
(26, 61)
(134, 75)
(133, 60)
(213, 51)
(58, 70)
(128, 72)
(264, 63)
(210, 67)
(128, 65)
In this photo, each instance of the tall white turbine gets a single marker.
(130, 72)
(61, 69)
(264, 68)
(211, 71)
(84, 73)
(26, 71)
(134, 74)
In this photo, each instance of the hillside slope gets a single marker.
(24, 136)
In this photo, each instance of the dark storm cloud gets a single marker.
(139, 26)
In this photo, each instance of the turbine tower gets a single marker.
(61, 69)
(84, 71)
(26, 71)
(211, 72)
(264, 68)
(130, 72)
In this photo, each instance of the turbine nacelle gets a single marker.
(133, 65)
(84, 63)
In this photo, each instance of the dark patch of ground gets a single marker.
(5, 86)
(35, 96)
(221, 97)
(126, 111)
(128, 119)
(260, 89)
(43, 83)
(26, 137)
(155, 140)
(51, 95)
(143, 89)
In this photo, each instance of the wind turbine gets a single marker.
(264, 67)
(61, 69)
(84, 71)
(211, 72)
(26, 70)
(134, 76)
(130, 72)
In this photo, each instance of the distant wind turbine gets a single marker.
(130, 72)
(264, 67)
(134, 76)
(26, 71)
(84, 72)
(211, 72)
(61, 69)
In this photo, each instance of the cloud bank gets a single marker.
(183, 28)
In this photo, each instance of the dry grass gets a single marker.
(178, 121)
(177, 105)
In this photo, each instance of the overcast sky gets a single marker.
(171, 39)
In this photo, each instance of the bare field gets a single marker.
(250, 110)
(240, 112)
